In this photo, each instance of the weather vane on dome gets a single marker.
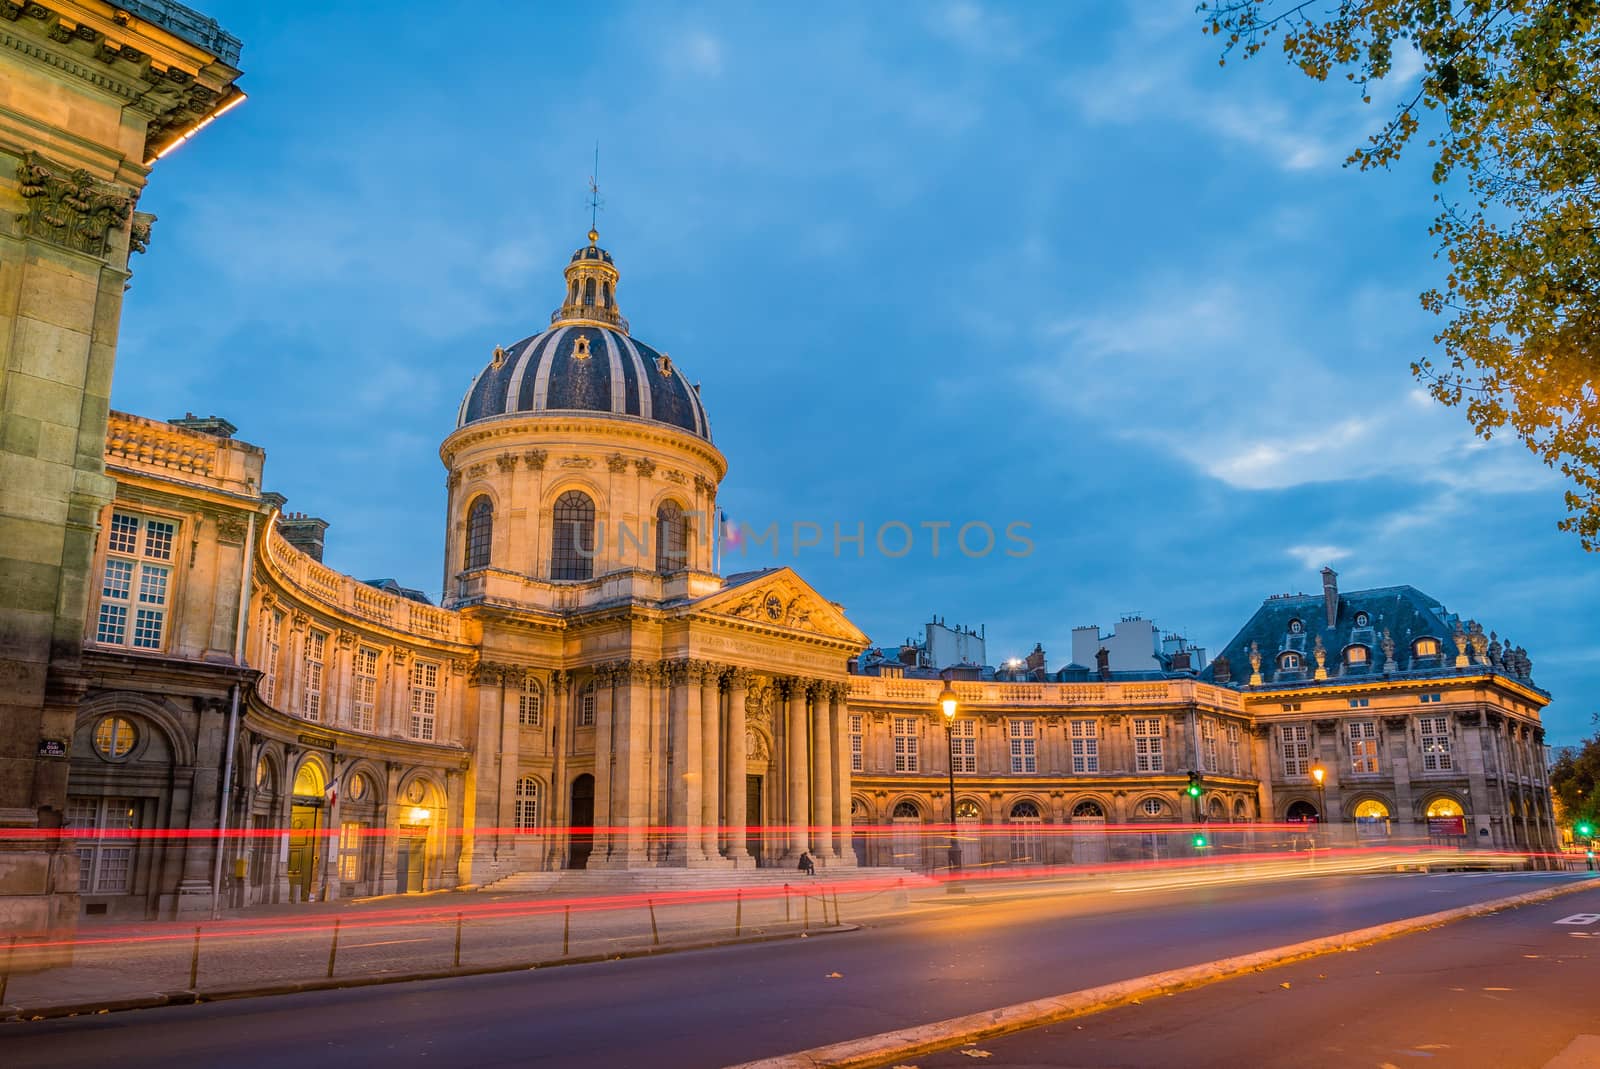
(594, 197)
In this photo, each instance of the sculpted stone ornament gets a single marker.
(507, 462)
(1255, 664)
(645, 467)
(1463, 646)
(1480, 643)
(1321, 656)
(1494, 650)
(139, 232)
(1388, 651)
(535, 458)
(69, 209)
(230, 529)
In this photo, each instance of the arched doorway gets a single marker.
(907, 841)
(305, 865)
(1089, 833)
(1025, 842)
(1303, 812)
(1372, 819)
(581, 841)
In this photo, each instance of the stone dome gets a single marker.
(586, 362)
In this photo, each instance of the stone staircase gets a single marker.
(580, 882)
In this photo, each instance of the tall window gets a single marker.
(1147, 755)
(350, 850)
(1208, 741)
(316, 650)
(105, 853)
(857, 762)
(527, 804)
(530, 703)
(672, 538)
(1363, 746)
(1085, 745)
(1025, 823)
(135, 592)
(1024, 745)
(1435, 743)
(424, 699)
(964, 745)
(586, 705)
(1235, 766)
(905, 744)
(364, 689)
(1296, 749)
(572, 540)
(271, 647)
(480, 532)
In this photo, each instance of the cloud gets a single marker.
(1313, 557)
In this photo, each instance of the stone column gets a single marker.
(822, 770)
(738, 830)
(681, 772)
(556, 815)
(630, 786)
(604, 756)
(796, 773)
(710, 757)
(839, 713)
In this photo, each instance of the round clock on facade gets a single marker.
(774, 607)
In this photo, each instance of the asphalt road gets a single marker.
(1512, 990)
(715, 1007)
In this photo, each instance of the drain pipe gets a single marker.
(233, 715)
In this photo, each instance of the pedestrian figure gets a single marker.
(807, 865)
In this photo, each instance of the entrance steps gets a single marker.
(581, 882)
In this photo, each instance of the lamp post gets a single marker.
(1319, 774)
(947, 704)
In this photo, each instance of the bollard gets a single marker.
(805, 904)
(333, 951)
(836, 907)
(566, 930)
(738, 916)
(5, 973)
(194, 960)
(458, 940)
(786, 917)
(655, 936)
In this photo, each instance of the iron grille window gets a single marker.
(672, 539)
(572, 540)
(480, 532)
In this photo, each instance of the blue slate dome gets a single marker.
(586, 362)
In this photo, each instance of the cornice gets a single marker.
(610, 425)
(1400, 685)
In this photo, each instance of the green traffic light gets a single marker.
(1199, 840)
(1585, 829)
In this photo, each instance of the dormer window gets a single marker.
(1363, 620)
(580, 347)
(1355, 655)
(1296, 627)
(1289, 661)
(1426, 647)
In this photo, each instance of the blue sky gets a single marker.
(1033, 263)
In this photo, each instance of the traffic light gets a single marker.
(1199, 841)
(1583, 830)
(1195, 788)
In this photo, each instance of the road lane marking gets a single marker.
(383, 943)
(1580, 918)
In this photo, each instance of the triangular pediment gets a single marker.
(780, 599)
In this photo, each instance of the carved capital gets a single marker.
(1467, 716)
(485, 674)
(345, 640)
(139, 232)
(458, 666)
(453, 480)
(645, 467)
(230, 530)
(400, 655)
(535, 458)
(559, 679)
(299, 621)
(70, 209)
(617, 463)
(704, 485)
(477, 471)
(507, 462)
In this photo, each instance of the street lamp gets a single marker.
(947, 704)
(1319, 774)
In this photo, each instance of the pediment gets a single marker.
(781, 599)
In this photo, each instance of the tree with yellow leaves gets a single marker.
(1508, 102)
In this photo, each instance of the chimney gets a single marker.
(205, 425)
(1180, 661)
(303, 532)
(1102, 664)
(1221, 670)
(1035, 660)
(1330, 594)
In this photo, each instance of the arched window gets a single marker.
(572, 540)
(530, 704)
(672, 538)
(1025, 845)
(967, 809)
(1303, 812)
(1217, 810)
(1289, 661)
(1445, 807)
(1426, 647)
(1362, 619)
(1088, 810)
(906, 811)
(1241, 810)
(586, 705)
(480, 530)
(588, 291)
(1296, 627)
(1152, 807)
(527, 803)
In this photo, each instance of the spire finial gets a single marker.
(594, 197)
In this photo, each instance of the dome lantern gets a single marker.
(591, 290)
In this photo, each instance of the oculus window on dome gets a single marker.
(586, 362)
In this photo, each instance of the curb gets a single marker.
(885, 1047)
(295, 987)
